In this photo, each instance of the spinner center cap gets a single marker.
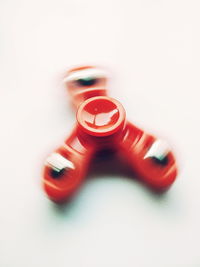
(101, 116)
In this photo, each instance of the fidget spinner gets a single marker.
(101, 124)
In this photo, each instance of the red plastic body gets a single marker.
(101, 124)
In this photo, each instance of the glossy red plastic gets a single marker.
(101, 124)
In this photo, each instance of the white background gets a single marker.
(152, 50)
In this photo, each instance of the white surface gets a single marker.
(152, 49)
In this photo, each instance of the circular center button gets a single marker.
(101, 116)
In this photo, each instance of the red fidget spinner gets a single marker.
(101, 124)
